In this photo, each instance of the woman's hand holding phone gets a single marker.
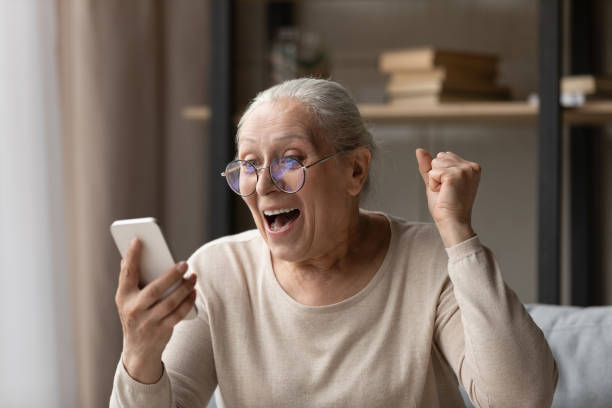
(147, 320)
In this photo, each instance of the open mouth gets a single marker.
(278, 220)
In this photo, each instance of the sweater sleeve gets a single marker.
(128, 392)
(500, 357)
(189, 376)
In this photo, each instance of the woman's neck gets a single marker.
(343, 270)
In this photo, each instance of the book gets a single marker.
(586, 84)
(437, 86)
(450, 74)
(430, 58)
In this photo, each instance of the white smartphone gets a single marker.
(155, 259)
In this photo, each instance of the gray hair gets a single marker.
(332, 108)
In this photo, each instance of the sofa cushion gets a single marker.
(581, 341)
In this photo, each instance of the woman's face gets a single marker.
(321, 209)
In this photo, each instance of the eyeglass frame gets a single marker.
(302, 166)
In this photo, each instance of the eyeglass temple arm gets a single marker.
(325, 158)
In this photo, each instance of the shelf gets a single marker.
(599, 112)
(591, 113)
(480, 112)
(453, 112)
(474, 112)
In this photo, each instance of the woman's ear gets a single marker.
(359, 161)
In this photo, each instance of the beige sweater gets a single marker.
(427, 317)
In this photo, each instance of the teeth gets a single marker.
(279, 211)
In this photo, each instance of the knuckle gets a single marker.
(118, 300)
(153, 293)
(131, 311)
(466, 169)
(129, 269)
(131, 318)
(169, 305)
(474, 166)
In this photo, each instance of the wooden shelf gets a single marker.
(478, 112)
(483, 112)
(456, 112)
(591, 113)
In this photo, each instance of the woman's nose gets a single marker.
(264, 182)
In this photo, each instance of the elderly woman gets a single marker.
(326, 304)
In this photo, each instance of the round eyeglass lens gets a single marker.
(241, 177)
(287, 174)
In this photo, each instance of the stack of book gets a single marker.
(430, 76)
(576, 90)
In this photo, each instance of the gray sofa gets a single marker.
(581, 341)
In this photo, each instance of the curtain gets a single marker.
(127, 68)
(35, 323)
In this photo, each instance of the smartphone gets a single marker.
(155, 259)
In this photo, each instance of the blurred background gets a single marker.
(121, 109)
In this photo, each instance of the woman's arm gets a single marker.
(188, 376)
(497, 352)
(499, 355)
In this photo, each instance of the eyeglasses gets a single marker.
(287, 173)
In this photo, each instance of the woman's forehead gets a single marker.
(281, 138)
(280, 122)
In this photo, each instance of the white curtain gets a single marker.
(38, 368)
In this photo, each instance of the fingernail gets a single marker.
(182, 267)
(133, 241)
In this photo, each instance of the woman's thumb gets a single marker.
(424, 159)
